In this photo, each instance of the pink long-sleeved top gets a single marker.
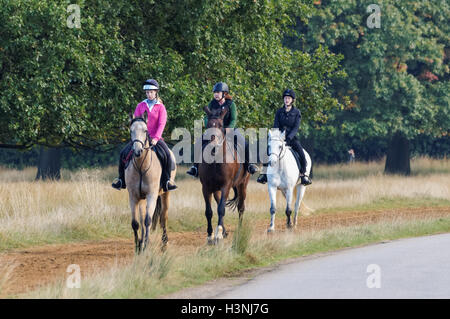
(157, 118)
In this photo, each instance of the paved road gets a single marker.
(408, 268)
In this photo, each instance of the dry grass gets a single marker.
(83, 206)
(154, 273)
(419, 166)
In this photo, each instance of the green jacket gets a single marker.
(230, 118)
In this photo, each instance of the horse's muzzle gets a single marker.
(137, 153)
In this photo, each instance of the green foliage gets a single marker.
(69, 86)
(397, 74)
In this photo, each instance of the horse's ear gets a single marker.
(130, 116)
(283, 135)
(144, 116)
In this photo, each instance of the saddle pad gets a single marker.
(297, 158)
(160, 154)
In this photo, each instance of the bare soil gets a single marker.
(37, 266)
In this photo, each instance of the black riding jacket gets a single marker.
(288, 121)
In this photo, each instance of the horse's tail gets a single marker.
(232, 203)
(158, 208)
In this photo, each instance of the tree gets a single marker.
(397, 74)
(74, 87)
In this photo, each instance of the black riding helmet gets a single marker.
(289, 92)
(220, 87)
(150, 84)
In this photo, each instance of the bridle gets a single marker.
(283, 148)
(222, 130)
(140, 119)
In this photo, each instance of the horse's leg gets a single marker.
(142, 220)
(147, 216)
(300, 193)
(208, 213)
(220, 230)
(134, 206)
(273, 207)
(217, 197)
(164, 216)
(289, 193)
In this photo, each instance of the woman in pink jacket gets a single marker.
(157, 118)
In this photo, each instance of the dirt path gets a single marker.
(30, 268)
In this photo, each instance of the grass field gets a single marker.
(83, 206)
(154, 274)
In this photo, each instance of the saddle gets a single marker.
(297, 158)
(160, 154)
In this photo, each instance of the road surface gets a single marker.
(407, 268)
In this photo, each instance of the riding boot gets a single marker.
(295, 144)
(251, 168)
(262, 178)
(305, 180)
(168, 185)
(119, 182)
(193, 171)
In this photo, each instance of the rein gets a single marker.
(139, 170)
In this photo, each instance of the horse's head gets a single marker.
(139, 135)
(276, 145)
(215, 121)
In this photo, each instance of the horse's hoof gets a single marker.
(210, 241)
(289, 226)
(219, 233)
(218, 240)
(270, 230)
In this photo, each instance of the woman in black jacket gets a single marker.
(288, 119)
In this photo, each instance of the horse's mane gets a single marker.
(136, 119)
(275, 133)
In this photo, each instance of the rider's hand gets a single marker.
(153, 141)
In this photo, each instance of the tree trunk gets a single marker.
(49, 165)
(397, 160)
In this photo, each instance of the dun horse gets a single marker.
(219, 178)
(148, 202)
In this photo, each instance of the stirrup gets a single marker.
(193, 171)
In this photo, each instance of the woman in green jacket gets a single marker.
(222, 99)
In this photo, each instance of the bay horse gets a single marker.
(142, 178)
(219, 178)
(283, 174)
